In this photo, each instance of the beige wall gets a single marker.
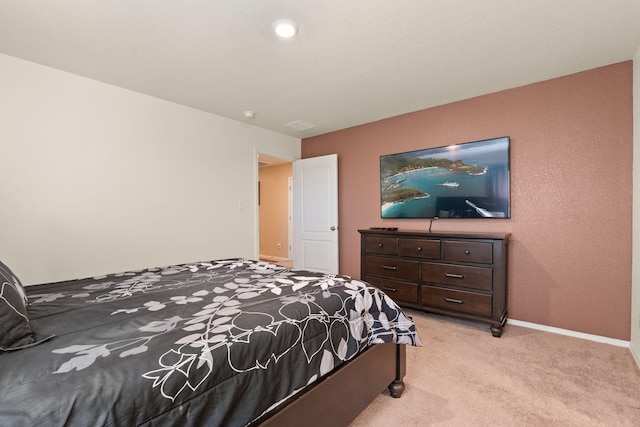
(571, 175)
(274, 206)
(99, 179)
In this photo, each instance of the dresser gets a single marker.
(456, 274)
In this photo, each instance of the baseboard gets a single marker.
(272, 258)
(590, 337)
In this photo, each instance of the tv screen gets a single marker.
(468, 180)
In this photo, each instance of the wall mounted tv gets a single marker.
(468, 180)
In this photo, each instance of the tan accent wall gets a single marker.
(571, 191)
(635, 305)
(274, 202)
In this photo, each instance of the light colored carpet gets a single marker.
(463, 376)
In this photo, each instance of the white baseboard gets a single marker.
(591, 337)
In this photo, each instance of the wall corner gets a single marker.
(634, 345)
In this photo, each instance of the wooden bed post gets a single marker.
(396, 388)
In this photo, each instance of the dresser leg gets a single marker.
(496, 330)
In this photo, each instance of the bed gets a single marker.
(231, 342)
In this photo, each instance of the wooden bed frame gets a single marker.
(341, 396)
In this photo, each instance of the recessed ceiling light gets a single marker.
(285, 28)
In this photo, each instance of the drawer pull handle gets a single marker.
(454, 276)
(419, 248)
(389, 267)
(384, 288)
(456, 301)
(467, 251)
(380, 245)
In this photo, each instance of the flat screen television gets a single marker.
(467, 180)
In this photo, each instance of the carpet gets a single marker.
(463, 376)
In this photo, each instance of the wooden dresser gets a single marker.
(457, 274)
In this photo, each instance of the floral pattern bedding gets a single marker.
(208, 343)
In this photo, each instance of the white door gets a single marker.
(290, 216)
(315, 214)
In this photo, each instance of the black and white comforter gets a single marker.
(209, 343)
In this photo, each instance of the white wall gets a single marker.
(99, 179)
(635, 279)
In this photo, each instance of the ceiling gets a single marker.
(352, 61)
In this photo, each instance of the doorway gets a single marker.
(275, 209)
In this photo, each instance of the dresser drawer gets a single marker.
(381, 245)
(398, 291)
(458, 275)
(460, 301)
(420, 248)
(392, 267)
(463, 251)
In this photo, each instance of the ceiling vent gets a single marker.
(300, 125)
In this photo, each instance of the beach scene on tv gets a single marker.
(468, 180)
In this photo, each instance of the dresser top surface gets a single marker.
(436, 234)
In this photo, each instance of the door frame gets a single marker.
(256, 190)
